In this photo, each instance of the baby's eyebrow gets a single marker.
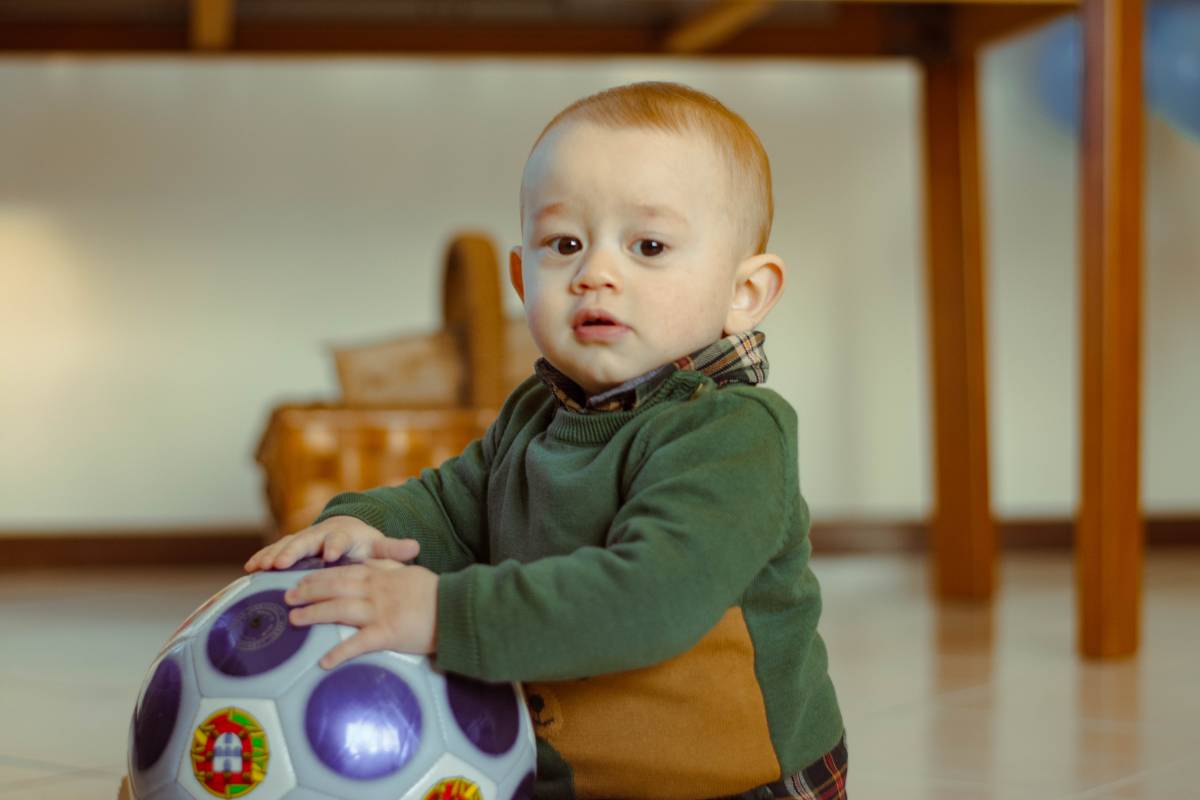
(545, 211)
(664, 212)
(642, 209)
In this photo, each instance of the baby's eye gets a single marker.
(572, 244)
(650, 247)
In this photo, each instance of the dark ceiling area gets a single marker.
(515, 27)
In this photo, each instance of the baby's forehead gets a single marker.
(629, 139)
(645, 162)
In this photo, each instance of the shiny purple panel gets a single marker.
(363, 722)
(524, 789)
(254, 636)
(315, 562)
(486, 712)
(154, 718)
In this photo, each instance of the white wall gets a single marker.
(182, 241)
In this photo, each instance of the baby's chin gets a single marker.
(591, 380)
(595, 384)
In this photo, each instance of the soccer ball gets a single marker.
(235, 705)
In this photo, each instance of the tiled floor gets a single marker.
(941, 703)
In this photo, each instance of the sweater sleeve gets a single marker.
(706, 509)
(444, 508)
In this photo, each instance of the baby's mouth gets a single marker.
(594, 324)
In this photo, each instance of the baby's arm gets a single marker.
(444, 509)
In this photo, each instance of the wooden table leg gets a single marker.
(1109, 533)
(962, 532)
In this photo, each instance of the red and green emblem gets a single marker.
(230, 753)
(454, 789)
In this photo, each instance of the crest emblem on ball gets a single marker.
(454, 789)
(230, 753)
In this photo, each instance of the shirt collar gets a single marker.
(737, 358)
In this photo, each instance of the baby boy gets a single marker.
(628, 539)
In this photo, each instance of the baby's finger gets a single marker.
(295, 547)
(337, 544)
(344, 610)
(396, 549)
(263, 557)
(326, 584)
(356, 645)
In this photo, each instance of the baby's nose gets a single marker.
(598, 271)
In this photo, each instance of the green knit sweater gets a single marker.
(645, 575)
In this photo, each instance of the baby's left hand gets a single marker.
(393, 605)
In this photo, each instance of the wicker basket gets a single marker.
(474, 360)
(311, 453)
(407, 403)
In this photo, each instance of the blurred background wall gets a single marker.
(182, 241)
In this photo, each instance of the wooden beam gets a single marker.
(852, 30)
(717, 23)
(464, 40)
(1110, 534)
(962, 532)
(975, 25)
(211, 24)
(91, 38)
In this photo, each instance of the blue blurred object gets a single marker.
(1059, 72)
(1173, 63)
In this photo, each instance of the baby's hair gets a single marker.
(676, 108)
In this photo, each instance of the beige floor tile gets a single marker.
(907, 787)
(1178, 781)
(1056, 755)
(14, 771)
(65, 726)
(80, 786)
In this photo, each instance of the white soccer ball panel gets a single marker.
(236, 739)
(451, 772)
(168, 698)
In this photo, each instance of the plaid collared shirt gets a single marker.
(738, 358)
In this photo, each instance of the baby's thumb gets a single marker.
(397, 549)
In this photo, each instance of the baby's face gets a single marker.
(629, 250)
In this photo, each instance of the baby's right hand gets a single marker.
(333, 538)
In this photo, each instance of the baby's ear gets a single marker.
(514, 272)
(758, 283)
